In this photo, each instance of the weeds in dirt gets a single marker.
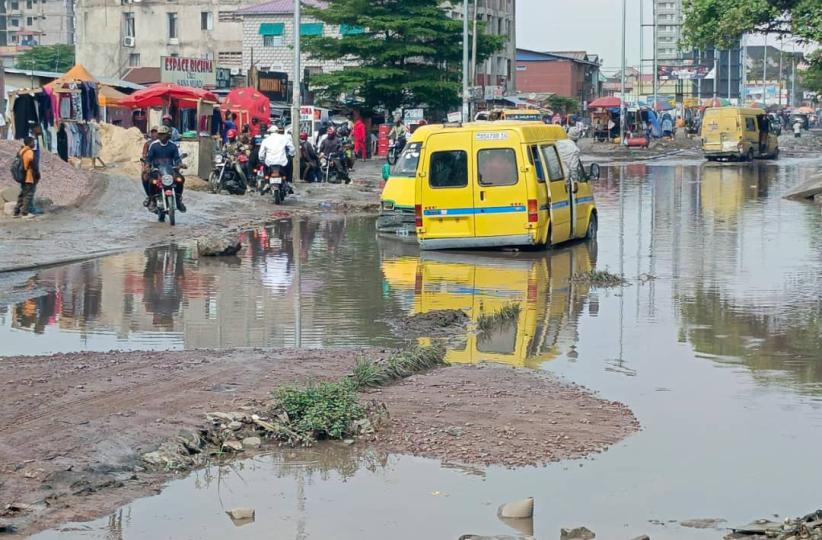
(599, 278)
(370, 373)
(320, 410)
(505, 314)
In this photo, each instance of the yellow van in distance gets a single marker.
(738, 133)
(483, 185)
(522, 115)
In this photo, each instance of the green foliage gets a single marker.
(720, 23)
(408, 53)
(562, 104)
(812, 77)
(321, 410)
(368, 373)
(57, 58)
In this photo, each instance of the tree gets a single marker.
(56, 58)
(562, 104)
(812, 76)
(407, 52)
(721, 23)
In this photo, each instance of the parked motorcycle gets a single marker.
(331, 170)
(224, 176)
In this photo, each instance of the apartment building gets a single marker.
(573, 74)
(26, 23)
(114, 36)
(668, 15)
(497, 75)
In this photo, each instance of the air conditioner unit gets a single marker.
(128, 41)
(173, 41)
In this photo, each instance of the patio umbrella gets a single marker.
(605, 103)
(248, 99)
(804, 110)
(158, 95)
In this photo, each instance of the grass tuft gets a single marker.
(600, 278)
(505, 314)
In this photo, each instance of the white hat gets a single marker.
(272, 129)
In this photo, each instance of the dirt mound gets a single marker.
(122, 148)
(63, 184)
(437, 323)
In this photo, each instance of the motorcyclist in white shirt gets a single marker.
(275, 151)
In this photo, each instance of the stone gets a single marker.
(580, 533)
(235, 426)
(8, 208)
(241, 513)
(218, 246)
(517, 509)
(643, 537)
(708, 523)
(348, 442)
(252, 442)
(233, 445)
(9, 194)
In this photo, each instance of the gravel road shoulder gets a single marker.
(74, 425)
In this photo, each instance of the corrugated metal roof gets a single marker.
(279, 7)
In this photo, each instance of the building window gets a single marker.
(14, 38)
(172, 26)
(227, 16)
(230, 58)
(272, 41)
(14, 22)
(29, 21)
(15, 5)
(134, 59)
(128, 25)
(206, 20)
(29, 4)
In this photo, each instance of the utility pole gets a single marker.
(464, 60)
(716, 71)
(295, 94)
(474, 49)
(764, 70)
(792, 97)
(729, 74)
(743, 81)
(622, 81)
(655, 67)
(780, 72)
(641, 44)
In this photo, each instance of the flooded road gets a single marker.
(714, 344)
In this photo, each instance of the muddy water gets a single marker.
(715, 345)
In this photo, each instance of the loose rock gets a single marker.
(218, 246)
(580, 533)
(234, 446)
(241, 513)
(517, 509)
(707, 523)
(252, 442)
(235, 426)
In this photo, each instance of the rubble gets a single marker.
(218, 246)
(580, 533)
(808, 527)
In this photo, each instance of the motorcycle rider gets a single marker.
(398, 134)
(235, 148)
(332, 148)
(274, 151)
(164, 152)
(310, 161)
(175, 133)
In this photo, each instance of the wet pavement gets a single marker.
(714, 344)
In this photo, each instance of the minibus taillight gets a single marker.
(533, 216)
(418, 215)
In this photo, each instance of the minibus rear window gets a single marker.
(407, 164)
(448, 169)
(497, 167)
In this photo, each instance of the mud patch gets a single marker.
(439, 323)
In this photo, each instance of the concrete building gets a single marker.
(668, 30)
(496, 75)
(573, 74)
(26, 23)
(268, 35)
(116, 35)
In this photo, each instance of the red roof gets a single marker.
(605, 102)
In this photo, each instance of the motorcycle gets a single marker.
(164, 178)
(331, 170)
(259, 181)
(277, 184)
(225, 176)
(395, 151)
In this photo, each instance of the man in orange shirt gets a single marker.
(32, 175)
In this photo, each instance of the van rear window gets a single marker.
(448, 169)
(497, 167)
(750, 124)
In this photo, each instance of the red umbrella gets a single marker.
(249, 100)
(160, 94)
(605, 103)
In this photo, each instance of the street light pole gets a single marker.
(295, 94)
(465, 60)
(622, 80)
(716, 71)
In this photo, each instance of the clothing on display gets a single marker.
(25, 115)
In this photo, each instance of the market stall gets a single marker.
(605, 117)
(251, 107)
(192, 111)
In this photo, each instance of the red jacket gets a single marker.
(359, 131)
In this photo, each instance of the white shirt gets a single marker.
(275, 149)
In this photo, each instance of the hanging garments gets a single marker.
(25, 115)
(62, 143)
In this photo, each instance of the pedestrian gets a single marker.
(359, 139)
(228, 123)
(797, 128)
(31, 176)
(168, 121)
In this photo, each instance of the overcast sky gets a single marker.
(580, 25)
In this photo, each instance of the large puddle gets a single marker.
(716, 345)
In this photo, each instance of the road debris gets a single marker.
(807, 527)
(580, 533)
(216, 245)
(517, 509)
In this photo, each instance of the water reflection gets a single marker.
(540, 284)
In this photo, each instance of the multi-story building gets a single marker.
(573, 74)
(668, 30)
(496, 75)
(114, 36)
(26, 23)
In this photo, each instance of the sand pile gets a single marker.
(60, 182)
(122, 148)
